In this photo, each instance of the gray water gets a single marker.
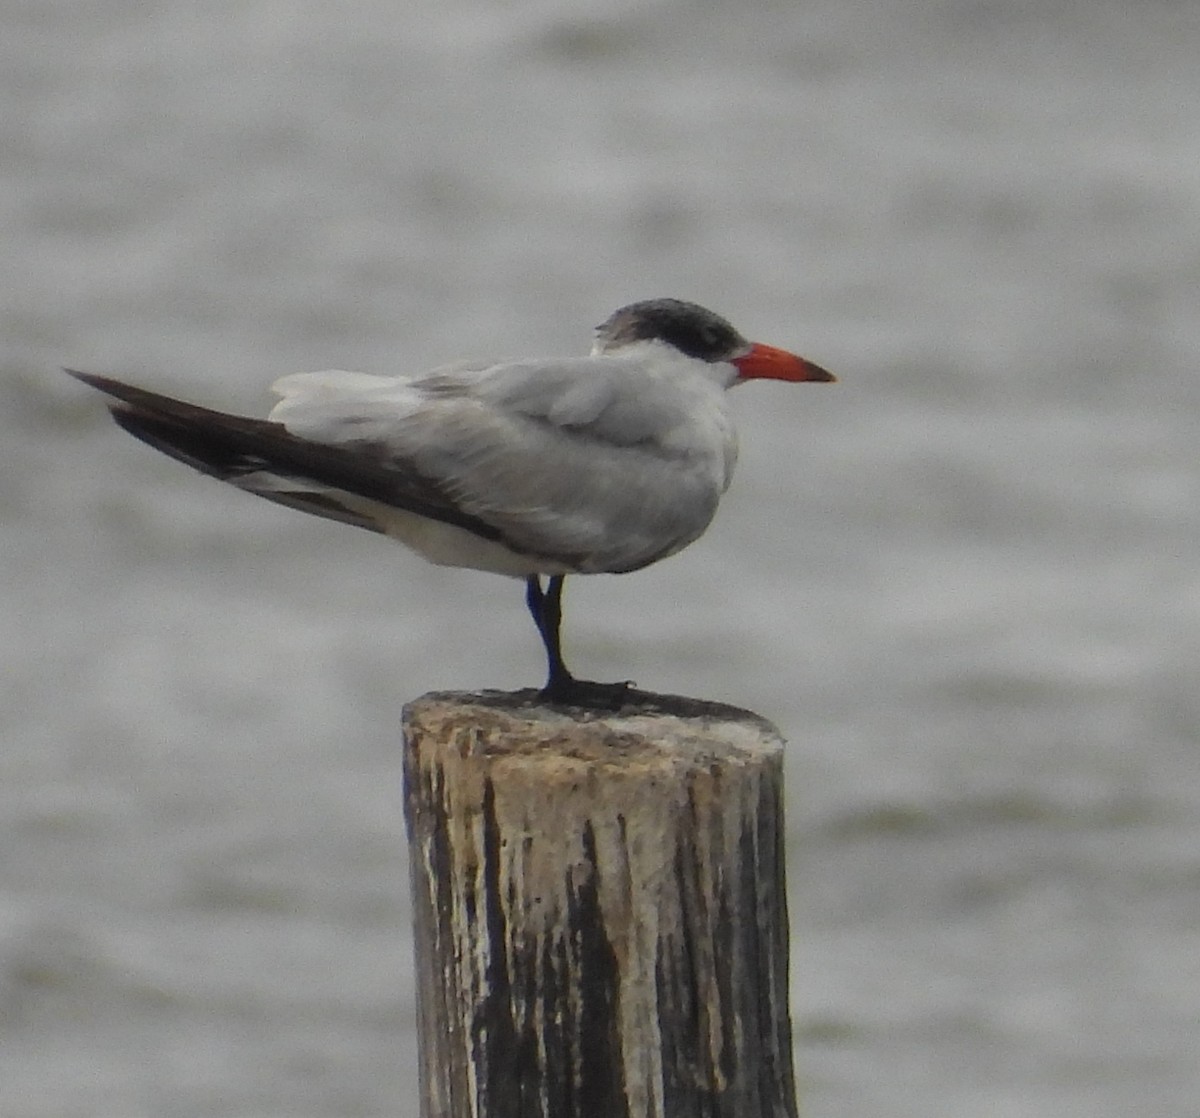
(964, 581)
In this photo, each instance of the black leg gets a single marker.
(562, 687)
(534, 598)
(552, 618)
(546, 609)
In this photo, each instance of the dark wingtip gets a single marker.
(94, 380)
(129, 395)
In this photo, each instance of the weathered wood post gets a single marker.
(600, 912)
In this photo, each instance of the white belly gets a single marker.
(449, 546)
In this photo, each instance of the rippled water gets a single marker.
(964, 582)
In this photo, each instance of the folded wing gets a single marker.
(576, 459)
(546, 462)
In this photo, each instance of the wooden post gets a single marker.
(600, 911)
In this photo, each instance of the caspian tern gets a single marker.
(529, 468)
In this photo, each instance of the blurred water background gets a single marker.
(965, 582)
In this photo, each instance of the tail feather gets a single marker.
(233, 448)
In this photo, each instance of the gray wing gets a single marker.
(585, 462)
(588, 461)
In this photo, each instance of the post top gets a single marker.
(648, 725)
(526, 703)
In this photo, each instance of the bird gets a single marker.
(531, 468)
